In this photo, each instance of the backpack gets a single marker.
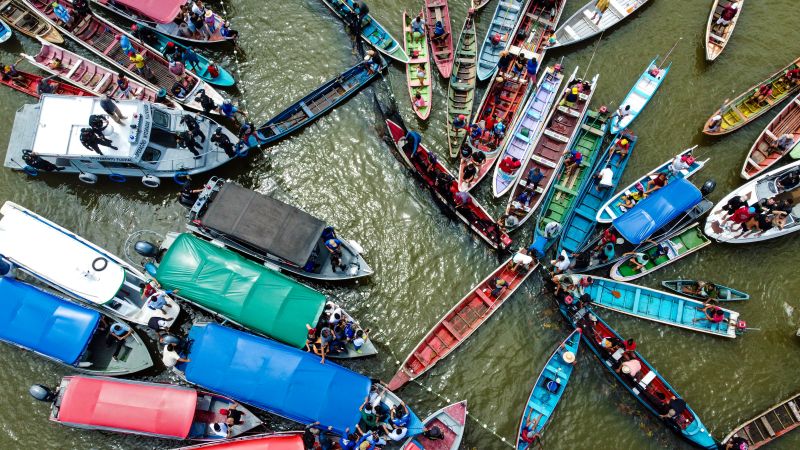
(212, 70)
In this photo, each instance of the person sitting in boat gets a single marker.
(348, 441)
(212, 70)
(711, 313)
(737, 443)
(498, 132)
(439, 33)
(782, 144)
(369, 419)
(227, 32)
(574, 159)
(605, 179)
(622, 112)
(158, 300)
(507, 222)
(509, 165)
(680, 163)
(171, 51)
(495, 287)
(98, 123)
(418, 28)
(763, 93)
(630, 366)
(523, 200)
(638, 261)
(123, 86)
(715, 123)
(91, 141)
(622, 147)
(654, 71)
(478, 157)
(570, 97)
(741, 216)
(34, 160)
(729, 11)
(626, 202)
(520, 259)
(527, 433)
(419, 102)
(534, 177)
(496, 39)
(147, 36)
(476, 131)
(504, 62)
(396, 434)
(460, 122)
(600, 7)
(676, 407)
(789, 180)
(519, 67)
(228, 110)
(470, 172)
(45, 87)
(793, 76)
(334, 247)
(10, 73)
(170, 357)
(656, 183)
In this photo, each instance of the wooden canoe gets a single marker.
(472, 214)
(580, 25)
(764, 153)
(442, 48)
(418, 60)
(687, 288)
(549, 388)
(88, 75)
(614, 207)
(548, 152)
(372, 32)
(503, 98)
(461, 88)
(527, 128)
(560, 200)
(504, 22)
(650, 304)
(744, 109)
(769, 425)
(677, 246)
(478, 4)
(645, 385)
(314, 105)
(460, 322)
(760, 188)
(716, 40)
(579, 226)
(31, 81)
(128, 10)
(639, 95)
(451, 420)
(21, 18)
(103, 38)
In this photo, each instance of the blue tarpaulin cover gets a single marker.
(657, 210)
(274, 377)
(43, 322)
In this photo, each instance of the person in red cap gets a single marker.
(460, 122)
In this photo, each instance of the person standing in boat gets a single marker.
(186, 140)
(90, 140)
(36, 161)
(45, 87)
(334, 246)
(190, 59)
(140, 65)
(109, 105)
(222, 141)
(193, 127)
(600, 7)
(418, 28)
(123, 85)
(729, 11)
(62, 15)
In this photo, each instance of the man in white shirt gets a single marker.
(170, 357)
(561, 263)
(606, 178)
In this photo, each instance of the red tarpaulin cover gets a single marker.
(162, 11)
(158, 409)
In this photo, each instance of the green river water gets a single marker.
(341, 170)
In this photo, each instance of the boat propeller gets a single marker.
(42, 393)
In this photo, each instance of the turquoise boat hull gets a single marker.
(504, 21)
(640, 95)
(542, 401)
(579, 227)
(371, 30)
(225, 79)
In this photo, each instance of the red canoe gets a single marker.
(289, 440)
(31, 81)
(441, 49)
(473, 214)
(503, 98)
(459, 323)
(765, 152)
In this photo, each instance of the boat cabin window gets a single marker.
(163, 138)
(160, 119)
(63, 162)
(151, 155)
(119, 165)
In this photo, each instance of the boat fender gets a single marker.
(146, 249)
(356, 246)
(99, 264)
(42, 393)
(117, 178)
(181, 178)
(31, 171)
(708, 187)
(151, 181)
(88, 178)
(151, 269)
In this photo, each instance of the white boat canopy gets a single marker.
(58, 256)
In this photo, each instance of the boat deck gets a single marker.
(770, 425)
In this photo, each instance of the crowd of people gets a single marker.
(765, 214)
(198, 22)
(335, 333)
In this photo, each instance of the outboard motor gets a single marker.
(708, 187)
(6, 268)
(146, 249)
(42, 393)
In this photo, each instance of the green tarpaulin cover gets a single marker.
(241, 290)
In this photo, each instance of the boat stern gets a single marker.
(23, 134)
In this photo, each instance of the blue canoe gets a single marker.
(658, 306)
(614, 207)
(549, 388)
(646, 384)
(160, 44)
(314, 105)
(279, 379)
(504, 21)
(65, 332)
(640, 94)
(371, 30)
(5, 32)
(579, 227)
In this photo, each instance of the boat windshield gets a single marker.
(160, 119)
